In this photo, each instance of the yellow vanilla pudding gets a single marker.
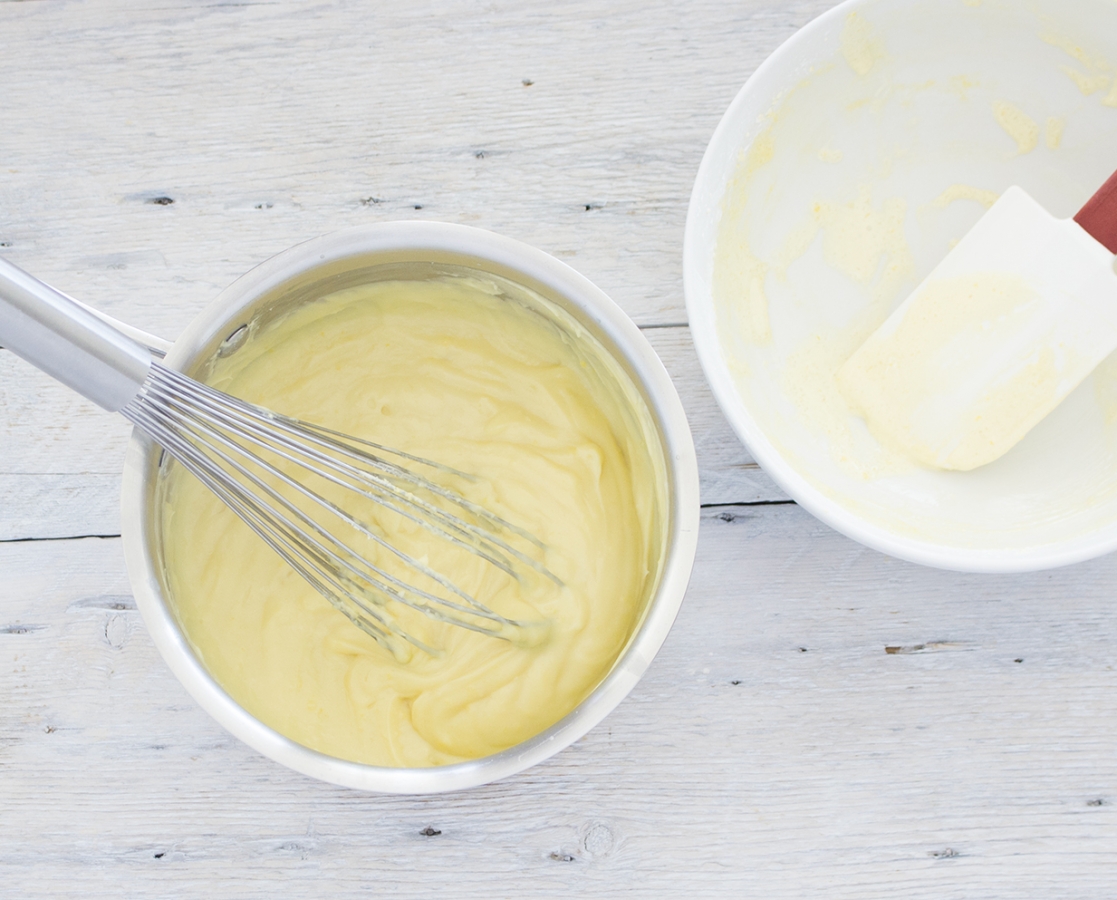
(484, 380)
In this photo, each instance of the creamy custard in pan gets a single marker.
(559, 442)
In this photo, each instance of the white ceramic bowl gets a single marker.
(871, 117)
(321, 266)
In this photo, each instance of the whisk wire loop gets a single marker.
(272, 431)
(233, 448)
(278, 532)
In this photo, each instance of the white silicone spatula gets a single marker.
(1008, 324)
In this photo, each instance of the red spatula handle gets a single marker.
(1099, 215)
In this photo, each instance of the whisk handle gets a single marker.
(68, 342)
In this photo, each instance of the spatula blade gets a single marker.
(1008, 324)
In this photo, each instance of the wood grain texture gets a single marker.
(268, 123)
(776, 748)
(726, 470)
(823, 720)
(61, 457)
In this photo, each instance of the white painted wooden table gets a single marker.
(822, 721)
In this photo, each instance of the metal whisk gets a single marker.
(279, 474)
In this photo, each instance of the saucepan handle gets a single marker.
(157, 346)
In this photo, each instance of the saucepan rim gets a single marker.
(486, 252)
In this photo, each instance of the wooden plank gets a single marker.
(49, 507)
(61, 456)
(269, 123)
(776, 748)
(727, 472)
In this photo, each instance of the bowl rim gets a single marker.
(703, 324)
(623, 339)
